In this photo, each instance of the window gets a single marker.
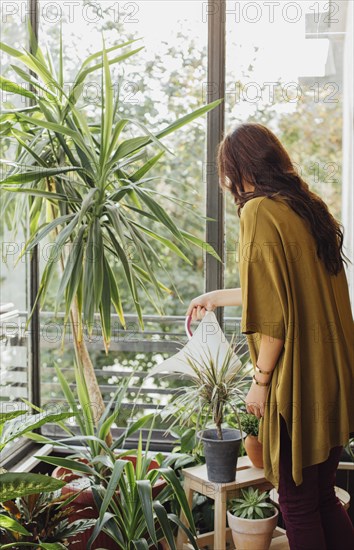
(14, 297)
(287, 65)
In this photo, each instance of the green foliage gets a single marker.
(16, 427)
(133, 514)
(135, 518)
(42, 517)
(20, 484)
(128, 513)
(14, 424)
(90, 436)
(249, 423)
(89, 187)
(252, 505)
(213, 389)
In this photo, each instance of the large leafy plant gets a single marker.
(128, 513)
(86, 443)
(86, 182)
(38, 519)
(127, 510)
(131, 515)
(15, 485)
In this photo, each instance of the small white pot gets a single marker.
(252, 534)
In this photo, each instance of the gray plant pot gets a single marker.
(221, 454)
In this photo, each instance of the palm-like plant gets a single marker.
(215, 385)
(87, 184)
(123, 494)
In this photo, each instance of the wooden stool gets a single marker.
(343, 496)
(195, 479)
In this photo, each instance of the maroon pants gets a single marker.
(313, 515)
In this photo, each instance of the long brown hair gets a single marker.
(252, 153)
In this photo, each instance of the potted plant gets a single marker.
(252, 519)
(135, 518)
(14, 424)
(86, 183)
(128, 499)
(90, 470)
(88, 448)
(215, 387)
(40, 519)
(23, 486)
(253, 447)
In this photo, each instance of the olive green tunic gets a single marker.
(287, 293)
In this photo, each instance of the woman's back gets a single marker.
(289, 294)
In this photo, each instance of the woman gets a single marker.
(297, 317)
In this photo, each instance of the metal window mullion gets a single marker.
(34, 370)
(215, 202)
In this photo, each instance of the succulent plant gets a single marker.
(249, 423)
(252, 504)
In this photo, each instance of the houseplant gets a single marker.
(39, 518)
(93, 468)
(13, 425)
(86, 183)
(253, 447)
(136, 519)
(252, 519)
(22, 485)
(130, 510)
(216, 385)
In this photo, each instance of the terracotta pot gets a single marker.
(75, 483)
(254, 450)
(252, 534)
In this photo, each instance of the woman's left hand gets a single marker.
(256, 399)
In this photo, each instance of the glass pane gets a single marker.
(13, 273)
(160, 84)
(285, 70)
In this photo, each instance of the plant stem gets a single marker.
(219, 431)
(82, 355)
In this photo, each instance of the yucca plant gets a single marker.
(39, 519)
(133, 518)
(87, 184)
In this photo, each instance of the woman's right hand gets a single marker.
(200, 305)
